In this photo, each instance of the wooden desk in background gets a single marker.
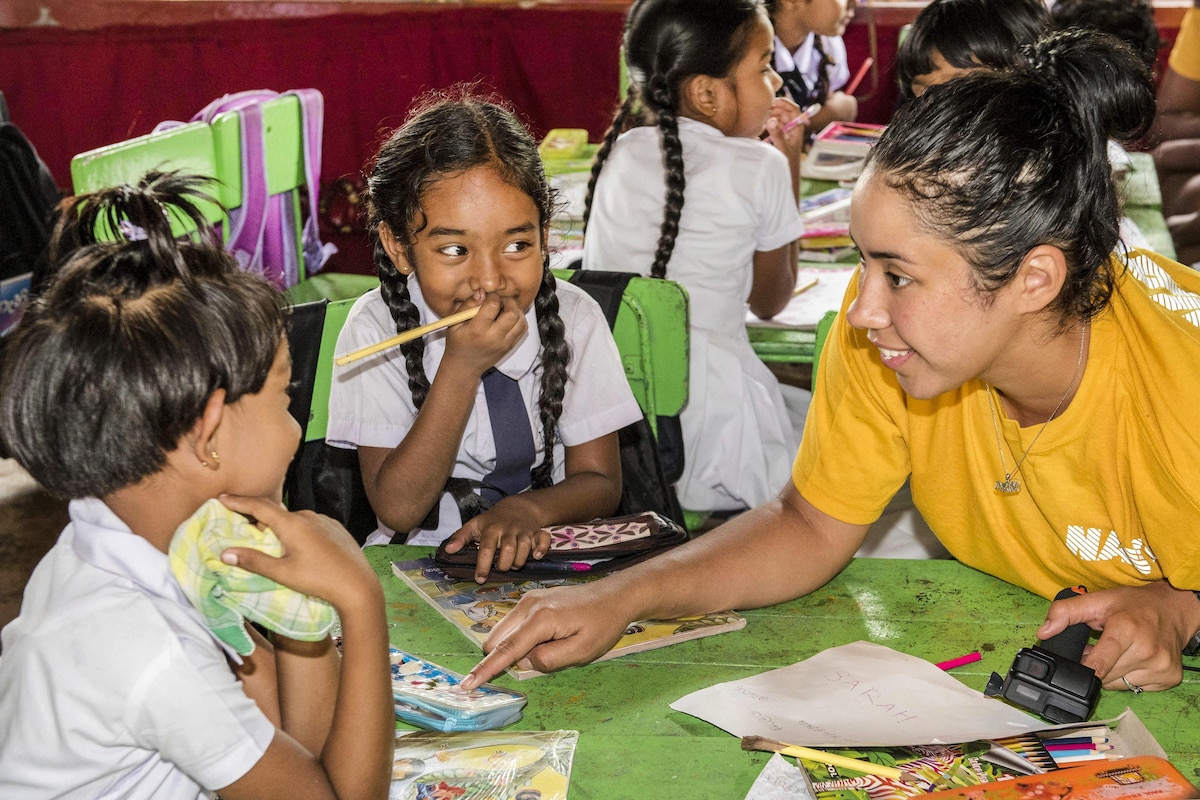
(631, 743)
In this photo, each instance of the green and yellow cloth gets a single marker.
(226, 595)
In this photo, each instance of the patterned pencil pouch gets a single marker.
(587, 548)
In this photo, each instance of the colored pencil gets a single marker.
(1048, 741)
(1085, 757)
(858, 76)
(821, 757)
(1057, 747)
(969, 658)
(804, 286)
(407, 336)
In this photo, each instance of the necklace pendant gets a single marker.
(1007, 486)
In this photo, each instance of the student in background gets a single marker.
(152, 376)
(952, 37)
(1131, 21)
(496, 427)
(810, 56)
(1177, 157)
(1036, 382)
(683, 188)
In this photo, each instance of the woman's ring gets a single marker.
(1131, 687)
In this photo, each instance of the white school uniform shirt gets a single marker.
(805, 59)
(370, 404)
(111, 686)
(739, 443)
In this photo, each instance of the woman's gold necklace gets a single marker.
(1010, 485)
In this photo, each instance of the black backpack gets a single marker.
(28, 196)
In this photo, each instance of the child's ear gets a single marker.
(396, 251)
(700, 96)
(1041, 276)
(202, 438)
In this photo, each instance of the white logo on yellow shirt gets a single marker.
(1164, 290)
(1091, 544)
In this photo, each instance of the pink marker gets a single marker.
(801, 119)
(969, 658)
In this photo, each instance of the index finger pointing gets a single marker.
(502, 656)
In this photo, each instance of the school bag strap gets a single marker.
(262, 233)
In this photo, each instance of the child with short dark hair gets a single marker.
(150, 377)
(950, 37)
(683, 188)
(458, 207)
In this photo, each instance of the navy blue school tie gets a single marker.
(513, 436)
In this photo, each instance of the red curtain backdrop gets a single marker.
(72, 91)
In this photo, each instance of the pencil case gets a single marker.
(430, 697)
(581, 549)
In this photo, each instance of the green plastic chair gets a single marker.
(188, 147)
(651, 332)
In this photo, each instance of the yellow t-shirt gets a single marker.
(1110, 493)
(1185, 55)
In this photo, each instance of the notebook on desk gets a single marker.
(806, 308)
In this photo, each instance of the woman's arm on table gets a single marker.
(776, 552)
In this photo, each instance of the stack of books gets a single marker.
(826, 218)
(840, 150)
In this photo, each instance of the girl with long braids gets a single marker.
(459, 204)
(682, 188)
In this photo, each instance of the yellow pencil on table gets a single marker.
(408, 336)
(821, 757)
(804, 286)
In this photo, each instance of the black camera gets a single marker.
(1048, 679)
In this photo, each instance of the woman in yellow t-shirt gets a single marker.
(1036, 387)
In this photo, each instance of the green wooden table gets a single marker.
(632, 744)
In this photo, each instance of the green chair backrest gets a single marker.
(651, 332)
(285, 149)
(318, 417)
(187, 147)
(341, 290)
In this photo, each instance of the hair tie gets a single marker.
(132, 232)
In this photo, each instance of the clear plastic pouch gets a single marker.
(430, 696)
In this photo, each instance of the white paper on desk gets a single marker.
(857, 695)
(806, 309)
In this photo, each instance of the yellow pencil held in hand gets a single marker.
(408, 336)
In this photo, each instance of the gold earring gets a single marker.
(216, 459)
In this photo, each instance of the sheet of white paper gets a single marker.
(806, 309)
(859, 694)
(780, 780)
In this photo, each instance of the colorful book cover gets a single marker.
(513, 765)
(926, 768)
(476, 608)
